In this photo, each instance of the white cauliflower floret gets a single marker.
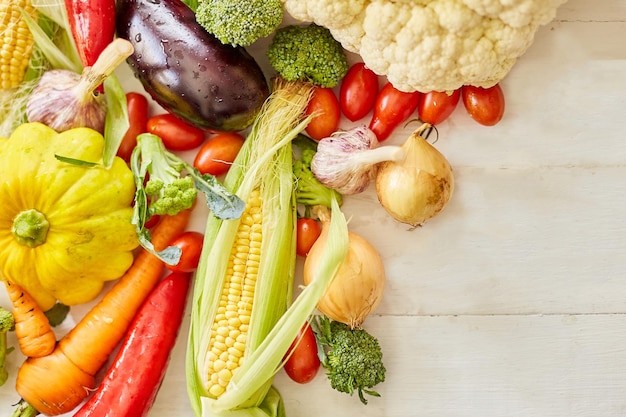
(426, 45)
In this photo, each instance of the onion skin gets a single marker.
(417, 187)
(359, 283)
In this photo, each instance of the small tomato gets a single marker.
(485, 105)
(190, 243)
(436, 106)
(392, 107)
(326, 122)
(218, 153)
(358, 92)
(176, 134)
(138, 118)
(302, 360)
(307, 232)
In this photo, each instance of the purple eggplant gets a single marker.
(187, 70)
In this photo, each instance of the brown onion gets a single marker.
(358, 286)
(417, 186)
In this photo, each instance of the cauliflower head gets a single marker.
(432, 45)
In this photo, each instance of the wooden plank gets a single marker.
(511, 241)
(488, 366)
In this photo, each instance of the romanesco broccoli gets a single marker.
(239, 22)
(307, 53)
(352, 357)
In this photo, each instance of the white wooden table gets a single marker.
(512, 303)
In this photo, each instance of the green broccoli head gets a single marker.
(239, 22)
(7, 323)
(309, 191)
(308, 53)
(352, 357)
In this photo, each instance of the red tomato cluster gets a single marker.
(216, 150)
(360, 94)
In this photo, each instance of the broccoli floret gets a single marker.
(7, 322)
(308, 53)
(177, 195)
(352, 357)
(163, 189)
(239, 22)
(309, 191)
(170, 192)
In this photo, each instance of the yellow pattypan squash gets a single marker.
(65, 229)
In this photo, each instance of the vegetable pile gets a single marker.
(98, 189)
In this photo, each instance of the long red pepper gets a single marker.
(131, 384)
(92, 23)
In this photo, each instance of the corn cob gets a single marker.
(17, 42)
(245, 276)
(230, 327)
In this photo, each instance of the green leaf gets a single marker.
(116, 122)
(170, 255)
(57, 314)
(221, 202)
(75, 161)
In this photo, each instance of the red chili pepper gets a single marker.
(92, 23)
(131, 384)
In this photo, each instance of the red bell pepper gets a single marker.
(131, 384)
(92, 23)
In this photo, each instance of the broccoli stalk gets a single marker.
(7, 322)
(239, 22)
(166, 184)
(309, 191)
(308, 53)
(352, 357)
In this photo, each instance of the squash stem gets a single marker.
(30, 228)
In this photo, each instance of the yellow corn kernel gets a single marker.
(16, 41)
(230, 328)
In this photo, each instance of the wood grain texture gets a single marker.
(512, 303)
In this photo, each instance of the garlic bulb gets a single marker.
(336, 163)
(358, 286)
(418, 186)
(64, 99)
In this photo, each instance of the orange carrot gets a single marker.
(57, 383)
(32, 328)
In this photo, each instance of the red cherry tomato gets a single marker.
(218, 153)
(190, 243)
(307, 232)
(327, 122)
(302, 365)
(138, 118)
(437, 106)
(485, 105)
(176, 134)
(392, 107)
(358, 92)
